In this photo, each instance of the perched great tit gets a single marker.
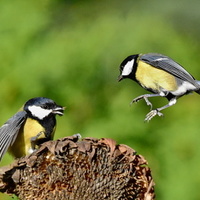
(28, 128)
(160, 75)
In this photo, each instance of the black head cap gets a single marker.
(33, 105)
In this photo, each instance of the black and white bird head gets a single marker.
(41, 107)
(128, 67)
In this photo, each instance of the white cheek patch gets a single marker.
(39, 112)
(128, 68)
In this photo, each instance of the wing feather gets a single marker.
(167, 64)
(10, 130)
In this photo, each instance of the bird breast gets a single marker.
(154, 78)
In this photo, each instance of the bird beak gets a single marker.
(120, 77)
(59, 110)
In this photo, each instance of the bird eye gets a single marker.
(45, 106)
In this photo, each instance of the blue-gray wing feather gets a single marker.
(167, 64)
(10, 130)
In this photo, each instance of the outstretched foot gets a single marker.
(136, 99)
(152, 114)
(140, 98)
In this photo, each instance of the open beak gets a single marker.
(120, 77)
(59, 110)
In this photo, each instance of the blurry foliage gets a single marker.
(70, 51)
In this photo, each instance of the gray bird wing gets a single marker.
(167, 64)
(9, 131)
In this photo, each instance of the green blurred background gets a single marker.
(70, 51)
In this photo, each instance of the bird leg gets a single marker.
(148, 103)
(145, 97)
(34, 139)
(155, 112)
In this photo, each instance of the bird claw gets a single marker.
(135, 100)
(138, 99)
(148, 102)
(34, 139)
(152, 114)
(142, 97)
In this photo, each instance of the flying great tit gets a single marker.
(160, 75)
(29, 128)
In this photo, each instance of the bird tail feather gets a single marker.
(198, 88)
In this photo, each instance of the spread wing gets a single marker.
(167, 64)
(9, 131)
